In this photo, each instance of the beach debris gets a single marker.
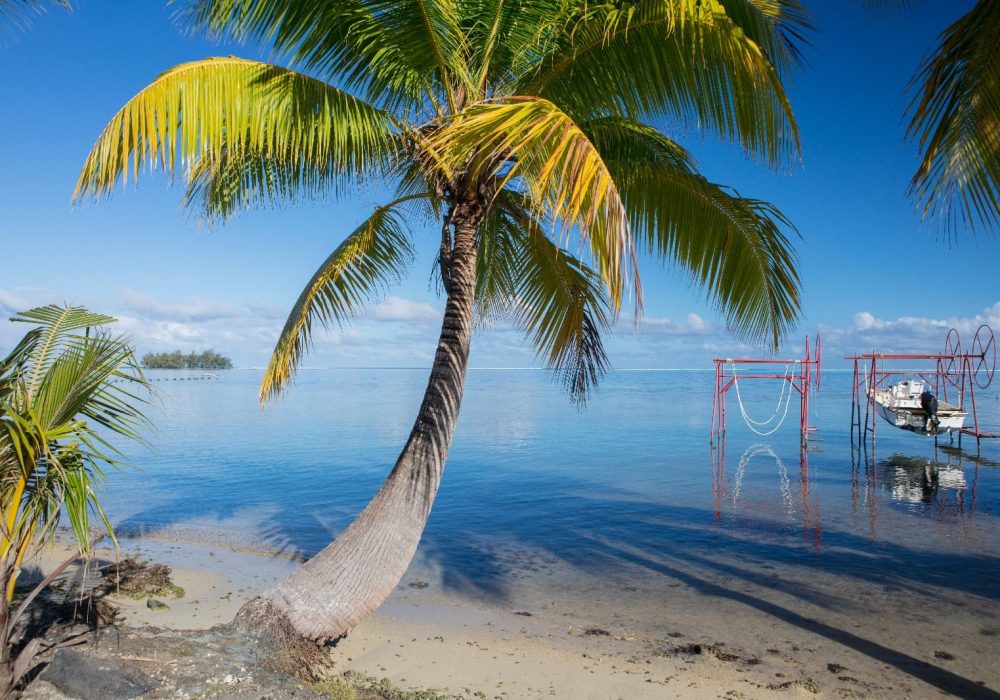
(835, 668)
(716, 650)
(418, 584)
(944, 655)
(524, 613)
(104, 611)
(807, 684)
(88, 678)
(154, 604)
(136, 578)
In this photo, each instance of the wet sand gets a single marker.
(670, 628)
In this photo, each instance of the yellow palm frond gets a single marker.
(220, 106)
(533, 141)
(374, 255)
(399, 53)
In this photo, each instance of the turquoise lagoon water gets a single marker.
(531, 479)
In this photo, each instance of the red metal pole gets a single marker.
(715, 404)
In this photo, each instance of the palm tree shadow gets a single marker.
(936, 676)
(607, 533)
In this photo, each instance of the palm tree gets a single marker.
(526, 129)
(65, 389)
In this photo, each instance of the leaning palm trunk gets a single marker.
(527, 121)
(351, 577)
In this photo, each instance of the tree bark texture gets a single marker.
(351, 577)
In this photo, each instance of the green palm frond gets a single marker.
(558, 301)
(563, 308)
(372, 257)
(779, 27)
(955, 119)
(56, 326)
(505, 37)
(686, 60)
(16, 15)
(735, 248)
(222, 108)
(500, 242)
(399, 52)
(534, 141)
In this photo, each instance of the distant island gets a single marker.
(208, 359)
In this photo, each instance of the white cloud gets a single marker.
(398, 331)
(692, 325)
(399, 309)
(194, 310)
(403, 332)
(10, 303)
(905, 334)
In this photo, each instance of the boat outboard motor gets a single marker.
(929, 403)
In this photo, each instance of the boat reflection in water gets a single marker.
(918, 479)
(942, 483)
(766, 466)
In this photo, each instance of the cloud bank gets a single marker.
(401, 332)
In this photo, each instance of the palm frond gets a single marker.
(56, 326)
(63, 396)
(955, 119)
(504, 36)
(685, 60)
(500, 246)
(779, 27)
(221, 108)
(534, 141)
(564, 310)
(16, 15)
(559, 302)
(735, 248)
(373, 256)
(401, 53)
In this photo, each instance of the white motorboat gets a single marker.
(910, 405)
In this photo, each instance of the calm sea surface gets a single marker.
(530, 474)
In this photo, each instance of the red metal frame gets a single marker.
(808, 375)
(955, 368)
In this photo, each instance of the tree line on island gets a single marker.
(209, 359)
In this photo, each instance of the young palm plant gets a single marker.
(65, 390)
(531, 130)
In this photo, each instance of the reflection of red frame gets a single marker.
(961, 370)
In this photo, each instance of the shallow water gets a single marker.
(619, 516)
(527, 467)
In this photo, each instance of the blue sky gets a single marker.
(872, 275)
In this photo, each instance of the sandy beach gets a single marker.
(704, 637)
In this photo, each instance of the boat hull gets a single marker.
(909, 415)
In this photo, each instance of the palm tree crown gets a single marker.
(528, 128)
(545, 113)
